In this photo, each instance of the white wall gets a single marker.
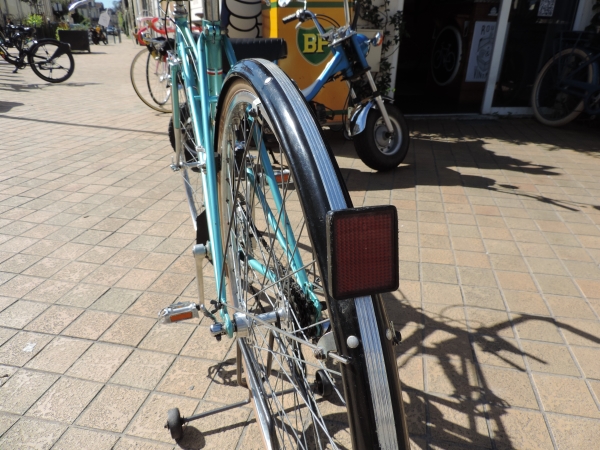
(19, 11)
(584, 14)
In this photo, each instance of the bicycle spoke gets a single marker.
(269, 256)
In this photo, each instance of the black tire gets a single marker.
(375, 147)
(139, 81)
(175, 423)
(50, 61)
(105, 41)
(309, 182)
(551, 104)
(446, 56)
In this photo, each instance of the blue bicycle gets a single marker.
(297, 270)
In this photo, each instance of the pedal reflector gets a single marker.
(362, 251)
(282, 176)
(179, 311)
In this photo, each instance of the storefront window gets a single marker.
(445, 55)
(533, 27)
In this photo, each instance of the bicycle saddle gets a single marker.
(271, 49)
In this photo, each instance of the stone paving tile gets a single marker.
(143, 369)
(30, 433)
(59, 355)
(150, 420)
(22, 347)
(23, 389)
(499, 298)
(113, 408)
(128, 330)
(77, 438)
(126, 443)
(65, 400)
(99, 362)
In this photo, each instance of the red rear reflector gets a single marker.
(182, 316)
(362, 251)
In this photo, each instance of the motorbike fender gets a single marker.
(358, 119)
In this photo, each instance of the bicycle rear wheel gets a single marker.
(278, 179)
(553, 102)
(139, 80)
(51, 62)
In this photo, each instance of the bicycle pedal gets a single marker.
(178, 312)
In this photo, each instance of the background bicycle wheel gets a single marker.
(139, 81)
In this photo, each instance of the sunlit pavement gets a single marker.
(498, 305)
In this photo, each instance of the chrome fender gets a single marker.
(358, 119)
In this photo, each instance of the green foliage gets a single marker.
(61, 26)
(34, 20)
(595, 22)
(380, 17)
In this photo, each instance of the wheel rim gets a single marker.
(386, 143)
(138, 73)
(158, 77)
(301, 419)
(553, 102)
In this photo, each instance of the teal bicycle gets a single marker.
(298, 271)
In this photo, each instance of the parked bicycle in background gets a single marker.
(51, 60)
(569, 84)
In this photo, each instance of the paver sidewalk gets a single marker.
(498, 305)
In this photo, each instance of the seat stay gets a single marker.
(193, 60)
(282, 228)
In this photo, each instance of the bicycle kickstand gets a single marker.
(188, 310)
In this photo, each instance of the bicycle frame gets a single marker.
(21, 46)
(202, 95)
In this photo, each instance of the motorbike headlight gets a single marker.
(377, 40)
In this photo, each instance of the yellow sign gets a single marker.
(308, 54)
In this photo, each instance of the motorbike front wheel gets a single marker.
(376, 147)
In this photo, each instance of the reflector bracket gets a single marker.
(362, 251)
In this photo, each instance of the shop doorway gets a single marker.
(444, 57)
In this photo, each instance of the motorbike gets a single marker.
(98, 35)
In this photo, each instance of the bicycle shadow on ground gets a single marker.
(461, 153)
(16, 87)
(83, 125)
(37, 86)
(7, 106)
(88, 53)
(449, 399)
